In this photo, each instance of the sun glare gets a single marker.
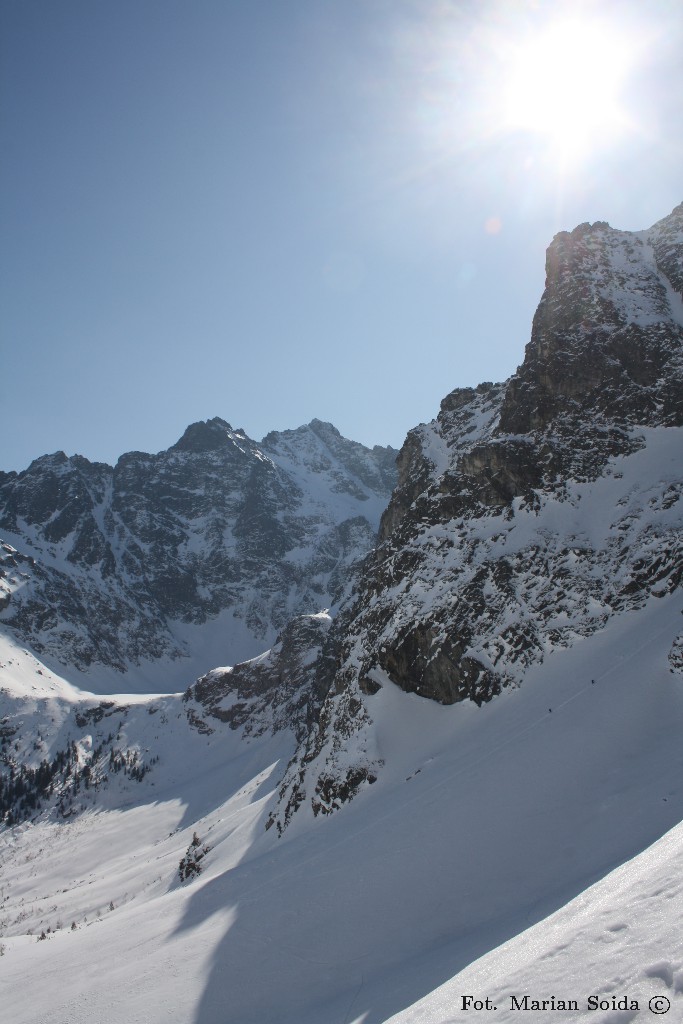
(564, 84)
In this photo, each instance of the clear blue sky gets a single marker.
(270, 210)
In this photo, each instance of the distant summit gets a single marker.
(205, 436)
(203, 551)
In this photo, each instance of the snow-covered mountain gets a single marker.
(172, 563)
(528, 513)
(494, 712)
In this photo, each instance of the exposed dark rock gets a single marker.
(282, 689)
(605, 338)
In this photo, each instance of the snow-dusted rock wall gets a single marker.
(528, 513)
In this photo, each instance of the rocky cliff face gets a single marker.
(282, 689)
(116, 566)
(605, 342)
(528, 513)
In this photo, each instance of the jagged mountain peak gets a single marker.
(607, 336)
(50, 461)
(318, 447)
(317, 428)
(323, 428)
(205, 435)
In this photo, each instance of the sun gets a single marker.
(564, 83)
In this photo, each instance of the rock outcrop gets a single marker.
(283, 688)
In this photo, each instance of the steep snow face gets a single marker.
(198, 555)
(528, 513)
(614, 951)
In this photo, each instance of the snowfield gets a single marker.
(528, 847)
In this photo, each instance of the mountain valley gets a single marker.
(301, 731)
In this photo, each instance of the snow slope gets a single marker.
(619, 942)
(436, 881)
